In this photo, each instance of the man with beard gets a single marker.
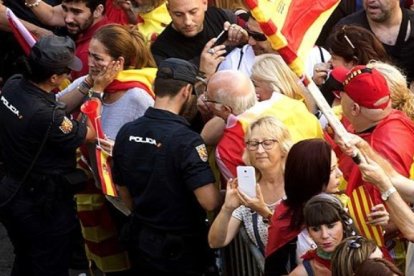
(162, 165)
(81, 19)
(393, 26)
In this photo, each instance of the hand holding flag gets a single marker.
(23, 36)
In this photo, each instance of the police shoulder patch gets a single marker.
(202, 152)
(66, 125)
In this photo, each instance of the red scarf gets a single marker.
(279, 231)
(312, 255)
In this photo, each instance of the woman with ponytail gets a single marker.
(121, 75)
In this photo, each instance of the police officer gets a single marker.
(162, 165)
(38, 143)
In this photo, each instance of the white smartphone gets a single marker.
(246, 177)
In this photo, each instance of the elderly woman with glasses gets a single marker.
(350, 253)
(267, 144)
(328, 224)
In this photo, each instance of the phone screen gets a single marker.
(246, 177)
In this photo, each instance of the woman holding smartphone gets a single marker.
(267, 144)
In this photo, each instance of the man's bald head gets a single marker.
(234, 89)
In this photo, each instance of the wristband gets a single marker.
(32, 5)
(84, 88)
(96, 94)
(385, 195)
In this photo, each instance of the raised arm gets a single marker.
(35, 30)
(225, 227)
(47, 14)
(400, 212)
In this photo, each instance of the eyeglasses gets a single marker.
(256, 36)
(355, 243)
(267, 144)
(206, 100)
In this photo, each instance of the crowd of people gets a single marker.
(122, 130)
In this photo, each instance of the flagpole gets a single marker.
(333, 121)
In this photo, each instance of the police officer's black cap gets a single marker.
(56, 52)
(177, 69)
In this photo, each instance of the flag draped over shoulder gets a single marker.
(126, 79)
(23, 36)
(292, 26)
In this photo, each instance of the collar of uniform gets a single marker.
(33, 89)
(162, 114)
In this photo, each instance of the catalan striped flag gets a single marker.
(359, 206)
(292, 26)
(23, 36)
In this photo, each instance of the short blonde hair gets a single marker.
(275, 129)
(402, 98)
(272, 69)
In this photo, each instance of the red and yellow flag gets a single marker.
(359, 206)
(92, 109)
(292, 26)
(126, 79)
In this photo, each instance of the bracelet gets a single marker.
(32, 5)
(83, 88)
(96, 94)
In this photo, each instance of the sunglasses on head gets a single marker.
(256, 36)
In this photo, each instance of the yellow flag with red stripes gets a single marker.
(359, 206)
(292, 26)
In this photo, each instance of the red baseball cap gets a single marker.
(340, 73)
(366, 86)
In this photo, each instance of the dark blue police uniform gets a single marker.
(162, 161)
(40, 217)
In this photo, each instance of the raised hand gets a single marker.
(378, 216)
(231, 201)
(211, 56)
(106, 76)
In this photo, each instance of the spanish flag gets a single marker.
(92, 109)
(292, 26)
(22, 35)
(126, 79)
